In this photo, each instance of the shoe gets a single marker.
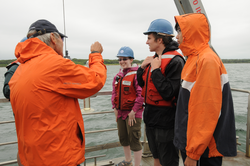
(125, 163)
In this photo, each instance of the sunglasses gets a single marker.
(122, 59)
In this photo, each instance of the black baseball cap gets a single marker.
(43, 26)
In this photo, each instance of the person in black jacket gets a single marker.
(160, 79)
(11, 68)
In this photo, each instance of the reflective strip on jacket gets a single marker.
(204, 124)
(150, 93)
(126, 93)
(44, 96)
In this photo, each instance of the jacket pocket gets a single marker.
(76, 137)
(128, 104)
(154, 95)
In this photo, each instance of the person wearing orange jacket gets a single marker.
(44, 93)
(205, 122)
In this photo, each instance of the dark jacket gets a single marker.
(168, 87)
(11, 70)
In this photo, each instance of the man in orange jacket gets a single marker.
(44, 93)
(204, 122)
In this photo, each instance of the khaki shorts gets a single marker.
(130, 136)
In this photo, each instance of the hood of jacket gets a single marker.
(195, 32)
(32, 48)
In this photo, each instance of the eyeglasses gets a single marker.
(178, 30)
(122, 59)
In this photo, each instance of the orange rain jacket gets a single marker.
(205, 124)
(44, 97)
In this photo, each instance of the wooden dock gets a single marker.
(239, 160)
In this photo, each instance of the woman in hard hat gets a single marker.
(127, 104)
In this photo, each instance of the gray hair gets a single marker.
(45, 37)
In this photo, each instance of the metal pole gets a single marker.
(248, 128)
(12, 121)
(8, 162)
(66, 51)
(86, 101)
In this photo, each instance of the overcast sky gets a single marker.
(116, 23)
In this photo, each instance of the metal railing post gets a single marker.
(248, 128)
(86, 101)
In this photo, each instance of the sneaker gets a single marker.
(125, 163)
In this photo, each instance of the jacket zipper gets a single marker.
(120, 89)
(145, 97)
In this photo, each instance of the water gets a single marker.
(238, 78)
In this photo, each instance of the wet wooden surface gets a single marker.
(239, 160)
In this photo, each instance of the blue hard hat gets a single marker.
(126, 52)
(160, 26)
(23, 39)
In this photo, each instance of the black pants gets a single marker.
(161, 146)
(213, 161)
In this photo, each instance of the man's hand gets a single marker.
(147, 61)
(156, 63)
(190, 162)
(96, 47)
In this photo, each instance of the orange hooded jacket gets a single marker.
(205, 124)
(44, 97)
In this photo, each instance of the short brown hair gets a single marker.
(166, 39)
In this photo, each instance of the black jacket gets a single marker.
(168, 86)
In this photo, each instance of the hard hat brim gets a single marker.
(163, 34)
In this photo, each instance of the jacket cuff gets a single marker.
(193, 156)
